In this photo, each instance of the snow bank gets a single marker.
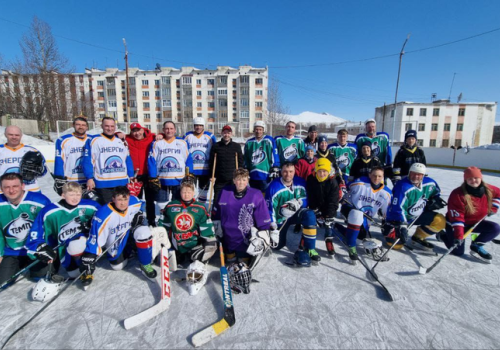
(27, 140)
(315, 118)
(495, 146)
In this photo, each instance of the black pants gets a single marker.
(12, 264)
(149, 197)
(219, 185)
(105, 195)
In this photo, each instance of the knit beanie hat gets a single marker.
(322, 164)
(472, 171)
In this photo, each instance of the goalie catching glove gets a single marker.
(290, 208)
(259, 241)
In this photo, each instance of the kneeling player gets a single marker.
(111, 228)
(192, 234)
(64, 225)
(242, 219)
(367, 196)
(415, 199)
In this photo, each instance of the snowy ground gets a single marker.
(333, 305)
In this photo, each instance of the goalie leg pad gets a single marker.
(160, 237)
(144, 242)
(120, 266)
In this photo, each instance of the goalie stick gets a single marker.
(207, 334)
(163, 304)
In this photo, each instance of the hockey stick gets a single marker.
(55, 297)
(375, 277)
(209, 333)
(211, 200)
(422, 270)
(163, 304)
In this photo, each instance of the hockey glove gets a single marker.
(329, 222)
(290, 208)
(274, 173)
(342, 191)
(45, 253)
(87, 264)
(402, 233)
(137, 220)
(210, 249)
(59, 182)
(458, 242)
(274, 234)
(155, 184)
(218, 228)
(395, 180)
(84, 225)
(435, 203)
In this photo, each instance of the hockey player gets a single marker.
(11, 155)
(107, 163)
(305, 165)
(287, 203)
(323, 198)
(364, 163)
(192, 234)
(70, 150)
(323, 152)
(415, 199)
(367, 196)
(200, 143)
(379, 142)
(261, 157)
(18, 211)
(111, 227)
(408, 154)
(345, 153)
(242, 220)
(167, 163)
(290, 147)
(66, 223)
(312, 137)
(468, 205)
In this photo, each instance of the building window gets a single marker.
(420, 142)
(432, 143)
(157, 82)
(157, 93)
(198, 81)
(223, 80)
(158, 117)
(101, 105)
(211, 104)
(111, 92)
(198, 104)
(100, 94)
(407, 126)
(165, 92)
(186, 80)
(435, 112)
(100, 83)
(458, 143)
(421, 127)
(460, 127)
(244, 91)
(258, 115)
(145, 105)
(222, 91)
(187, 103)
(147, 116)
(409, 112)
(445, 143)
(211, 81)
(145, 93)
(259, 104)
(244, 79)
(258, 81)
(198, 93)
(447, 127)
(158, 104)
(244, 102)
(423, 112)
(223, 103)
(211, 93)
(133, 104)
(165, 80)
(112, 103)
(461, 112)
(145, 82)
(244, 114)
(131, 81)
(167, 103)
(434, 127)
(258, 92)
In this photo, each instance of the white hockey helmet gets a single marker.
(371, 120)
(196, 277)
(418, 168)
(259, 123)
(45, 289)
(199, 121)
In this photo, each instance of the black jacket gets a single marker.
(405, 158)
(307, 142)
(226, 160)
(362, 166)
(331, 157)
(323, 196)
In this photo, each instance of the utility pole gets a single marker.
(451, 87)
(397, 87)
(126, 81)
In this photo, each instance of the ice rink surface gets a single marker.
(333, 305)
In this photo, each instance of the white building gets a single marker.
(223, 96)
(440, 123)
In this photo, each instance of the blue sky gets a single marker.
(284, 34)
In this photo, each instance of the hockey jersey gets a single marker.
(107, 161)
(345, 155)
(168, 161)
(260, 157)
(70, 150)
(10, 159)
(110, 225)
(363, 197)
(185, 223)
(238, 216)
(57, 224)
(409, 201)
(289, 149)
(404, 159)
(278, 194)
(380, 146)
(199, 147)
(17, 220)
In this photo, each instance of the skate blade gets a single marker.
(294, 265)
(479, 258)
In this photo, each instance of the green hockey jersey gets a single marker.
(260, 156)
(290, 150)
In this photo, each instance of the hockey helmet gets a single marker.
(196, 277)
(47, 288)
(259, 123)
(92, 195)
(418, 168)
(32, 165)
(240, 277)
(199, 121)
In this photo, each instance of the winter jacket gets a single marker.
(304, 167)
(335, 167)
(139, 150)
(362, 166)
(323, 196)
(226, 160)
(405, 158)
(308, 141)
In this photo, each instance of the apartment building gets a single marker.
(440, 123)
(226, 95)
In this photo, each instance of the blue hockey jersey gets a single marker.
(70, 150)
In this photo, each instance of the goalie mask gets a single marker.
(373, 247)
(196, 277)
(240, 277)
(32, 165)
(47, 288)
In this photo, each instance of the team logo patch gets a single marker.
(176, 210)
(245, 219)
(69, 229)
(344, 161)
(170, 165)
(78, 169)
(290, 153)
(199, 157)
(184, 222)
(12, 170)
(375, 148)
(113, 164)
(258, 156)
(418, 207)
(19, 227)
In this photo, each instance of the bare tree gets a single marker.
(276, 113)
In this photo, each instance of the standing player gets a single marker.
(312, 137)
(344, 152)
(107, 163)
(287, 203)
(415, 199)
(18, 211)
(290, 147)
(261, 157)
(111, 227)
(364, 163)
(167, 164)
(407, 155)
(305, 165)
(379, 142)
(70, 150)
(468, 205)
(66, 222)
(12, 153)
(200, 143)
(323, 152)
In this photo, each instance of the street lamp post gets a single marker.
(397, 87)
(126, 81)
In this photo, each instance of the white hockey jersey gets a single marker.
(10, 158)
(365, 198)
(199, 147)
(69, 157)
(168, 161)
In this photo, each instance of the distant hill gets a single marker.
(315, 118)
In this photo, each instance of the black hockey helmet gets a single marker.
(32, 165)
